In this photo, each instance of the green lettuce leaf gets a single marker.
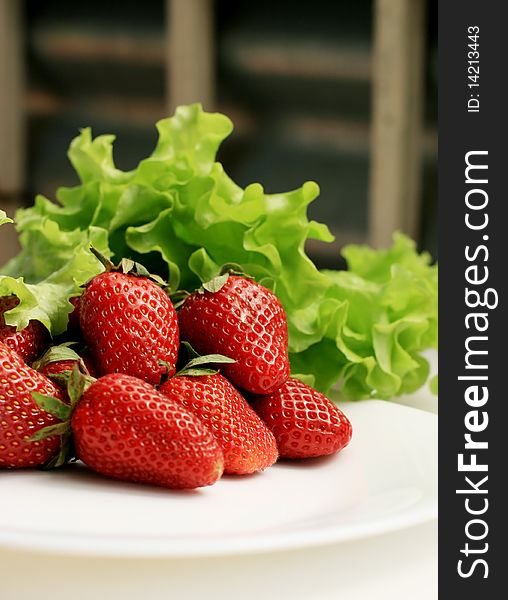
(4, 218)
(180, 214)
(378, 317)
(49, 270)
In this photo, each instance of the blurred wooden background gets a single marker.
(342, 92)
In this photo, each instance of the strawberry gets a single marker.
(305, 423)
(129, 324)
(247, 444)
(58, 360)
(59, 367)
(242, 319)
(124, 428)
(20, 416)
(28, 342)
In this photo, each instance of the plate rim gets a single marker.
(144, 547)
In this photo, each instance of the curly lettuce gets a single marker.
(180, 214)
(50, 269)
(375, 320)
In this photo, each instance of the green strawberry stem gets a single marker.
(215, 284)
(200, 361)
(58, 429)
(66, 453)
(191, 353)
(128, 267)
(196, 372)
(208, 359)
(56, 354)
(108, 265)
(53, 406)
(219, 281)
(234, 269)
(77, 384)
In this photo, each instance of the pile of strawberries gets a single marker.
(153, 396)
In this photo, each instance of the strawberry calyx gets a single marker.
(219, 281)
(214, 285)
(178, 298)
(234, 269)
(62, 352)
(77, 384)
(196, 364)
(53, 406)
(61, 411)
(127, 266)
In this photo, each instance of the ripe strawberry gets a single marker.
(247, 444)
(126, 429)
(30, 341)
(129, 324)
(59, 367)
(20, 416)
(245, 321)
(305, 423)
(58, 360)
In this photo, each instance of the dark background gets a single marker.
(294, 76)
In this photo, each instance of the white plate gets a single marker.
(385, 480)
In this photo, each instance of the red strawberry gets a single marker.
(28, 342)
(305, 423)
(61, 366)
(126, 429)
(58, 360)
(247, 444)
(20, 416)
(129, 325)
(245, 321)
(58, 367)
